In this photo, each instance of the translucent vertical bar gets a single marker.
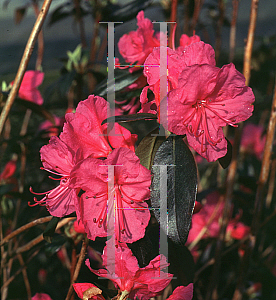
(110, 246)
(163, 243)
(163, 71)
(163, 79)
(110, 76)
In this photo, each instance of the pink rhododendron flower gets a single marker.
(83, 130)
(9, 169)
(209, 214)
(128, 194)
(28, 88)
(186, 40)
(50, 128)
(182, 293)
(206, 99)
(58, 158)
(78, 226)
(137, 45)
(253, 140)
(237, 230)
(197, 53)
(133, 281)
(82, 136)
(88, 291)
(41, 296)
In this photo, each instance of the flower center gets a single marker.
(52, 197)
(120, 197)
(197, 121)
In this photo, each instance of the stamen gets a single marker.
(53, 172)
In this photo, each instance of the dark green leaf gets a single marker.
(148, 146)
(122, 79)
(181, 187)
(121, 13)
(38, 109)
(142, 250)
(182, 264)
(52, 248)
(130, 118)
(226, 159)
(61, 12)
(6, 188)
(50, 229)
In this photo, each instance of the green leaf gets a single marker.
(122, 79)
(50, 229)
(52, 248)
(61, 12)
(121, 13)
(147, 148)
(181, 189)
(130, 118)
(38, 109)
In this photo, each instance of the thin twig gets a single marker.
(40, 238)
(221, 7)
(172, 19)
(266, 162)
(205, 228)
(250, 41)
(197, 9)
(24, 62)
(25, 227)
(226, 211)
(186, 17)
(78, 266)
(233, 29)
(25, 276)
(80, 21)
(40, 40)
(6, 283)
(271, 184)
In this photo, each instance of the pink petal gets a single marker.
(56, 156)
(185, 40)
(28, 88)
(182, 293)
(198, 53)
(137, 45)
(131, 188)
(41, 296)
(206, 99)
(83, 128)
(80, 288)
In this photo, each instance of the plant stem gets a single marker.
(6, 283)
(233, 28)
(40, 40)
(198, 5)
(172, 19)
(25, 227)
(266, 162)
(250, 41)
(24, 62)
(219, 26)
(78, 266)
(25, 276)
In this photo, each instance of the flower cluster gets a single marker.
(202, 98)
(97, 170)
(100, 176)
